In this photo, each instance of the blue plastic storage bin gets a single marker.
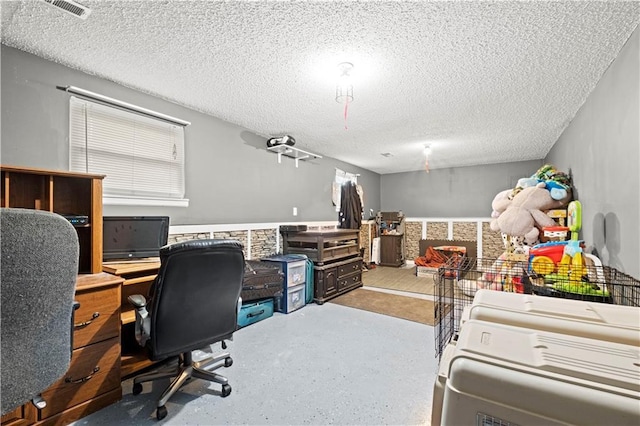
(309, 279)
(294, 268)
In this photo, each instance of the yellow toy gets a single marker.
(572, 264)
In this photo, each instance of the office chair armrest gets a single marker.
(74, 308)
(143, 321)
(138, 301)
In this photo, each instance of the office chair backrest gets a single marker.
(39, 267)
(194, 298)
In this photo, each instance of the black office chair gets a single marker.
(39, 265)
(193, 303)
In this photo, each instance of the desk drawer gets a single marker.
(82, 382)
(349, 268)
(98, 317)
(23, 415)
(349, 281)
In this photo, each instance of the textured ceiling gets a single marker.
(480, 82)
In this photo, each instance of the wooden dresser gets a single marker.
(93, 378)
(390, 228)
(336, 259)
(334, 279)
(391, 250)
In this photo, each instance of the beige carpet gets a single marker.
(409, 308)
(401, 279)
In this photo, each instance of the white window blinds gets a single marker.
(142, 157)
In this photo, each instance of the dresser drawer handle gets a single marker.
(84, 379)
(86, 323)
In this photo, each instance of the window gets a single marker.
(142, 157)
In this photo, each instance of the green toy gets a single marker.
(583, 287)
(572, 263)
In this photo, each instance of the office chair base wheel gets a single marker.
(137, 388)
(226, 391)
(228, 362)
(161, 412)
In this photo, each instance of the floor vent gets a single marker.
(70, 6)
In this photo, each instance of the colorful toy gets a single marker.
(505, 275)
(544, 258)
(574, 218)
(554, 233)
(572, 262)
(562, 263)
(580, 287)
(557, 182)
(542, 265)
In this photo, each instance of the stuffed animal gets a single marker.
(558, 183)
(526, 213)
(498, 202)
(517, 244)
(522, 184)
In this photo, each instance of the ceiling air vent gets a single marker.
(70, 6)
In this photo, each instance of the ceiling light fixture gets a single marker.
(427, 153)
(344, 88)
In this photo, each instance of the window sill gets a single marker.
(134, 201)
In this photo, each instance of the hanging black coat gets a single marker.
(350, 216)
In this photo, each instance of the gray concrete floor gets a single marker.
(319, 365)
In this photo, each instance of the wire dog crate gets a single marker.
(459, 279)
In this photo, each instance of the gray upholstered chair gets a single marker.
(194, 303)
(39, 267)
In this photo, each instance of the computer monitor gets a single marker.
(133, 237)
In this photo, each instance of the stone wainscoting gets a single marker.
(263, 239)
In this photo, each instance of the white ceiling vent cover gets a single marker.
(70, 6)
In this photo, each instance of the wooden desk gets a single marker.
(93, 378)
(138, 277)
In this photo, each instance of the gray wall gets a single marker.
(230, 177)
(452, 192)
(601, 147)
